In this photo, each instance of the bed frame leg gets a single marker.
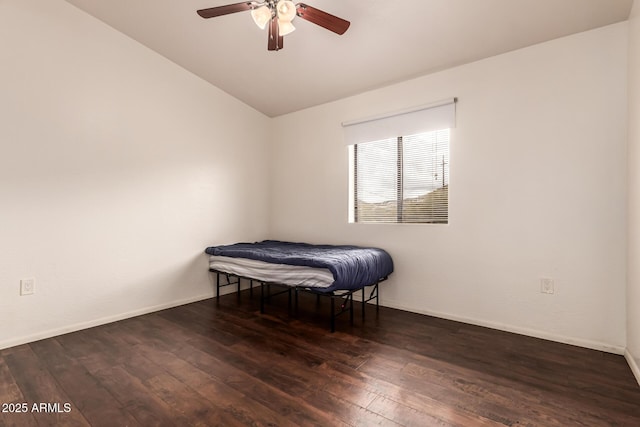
(239, 288)
(218, 286)
(251, 288)
(377, 298)
(262, 297)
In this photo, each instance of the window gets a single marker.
(400, 165)
(402, 180)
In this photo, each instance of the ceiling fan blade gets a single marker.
(323, 19)
(225, 10)
(276, 41)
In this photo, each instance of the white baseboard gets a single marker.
(102, 321)
(594, 345)
(632, 364)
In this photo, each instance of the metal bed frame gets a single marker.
(345, 296)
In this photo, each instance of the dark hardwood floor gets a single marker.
(223, 363)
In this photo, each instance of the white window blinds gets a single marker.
(426, 118)
(376, 181)
(404, 178)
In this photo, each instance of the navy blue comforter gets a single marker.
(353, 267)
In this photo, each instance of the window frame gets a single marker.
(400, 180)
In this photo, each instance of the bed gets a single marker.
(334, 271)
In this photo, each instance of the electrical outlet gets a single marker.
(27, 286)
(546, 285)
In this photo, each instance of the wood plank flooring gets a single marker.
(222, 363)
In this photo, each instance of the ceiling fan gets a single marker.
(277, 15)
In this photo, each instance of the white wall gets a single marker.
(633, 279)
(538, 187)
(117, 169)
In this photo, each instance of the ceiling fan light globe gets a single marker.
(286, 10)
(261, 16)
(285, 27)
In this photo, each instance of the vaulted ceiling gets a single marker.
(388, 41)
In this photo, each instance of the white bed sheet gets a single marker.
(291, 275)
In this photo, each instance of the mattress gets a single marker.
(352, 267)
(291, 275)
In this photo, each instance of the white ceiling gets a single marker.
(388, 41)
